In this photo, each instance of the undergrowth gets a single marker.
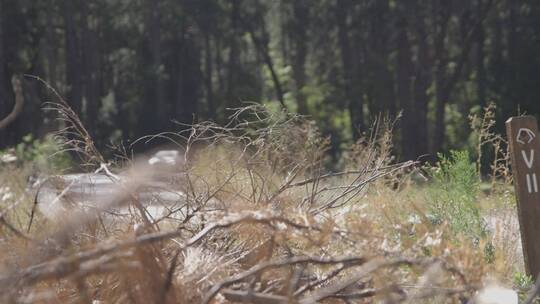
(254, 218)
(453, 194)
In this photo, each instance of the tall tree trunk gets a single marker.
(233, 63)
(208, 66)
(51, 47)
(440, 115)
(446, 80)
(299, 39)
(262, 46)
(154, 112)
(90, 53)
(191, 80)
(513, 48)
(50, 50)
(221, 84)
(497, 64)
(383, 80)
(441, 15)
(4, 96)
(404, 91)
(421, 86)
(73, 58)
(480, 61)
(351, 81)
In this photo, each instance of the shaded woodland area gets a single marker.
(132, 67)
(306, 168)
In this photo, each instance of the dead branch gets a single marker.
(376, 264)
(253, 297)
(63, 266)
(19, 102)
(280, 263)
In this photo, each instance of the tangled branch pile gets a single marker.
(256, 219)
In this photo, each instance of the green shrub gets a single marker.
(453, 194)
(523, 283)
(46, 154)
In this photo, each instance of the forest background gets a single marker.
(137, 67)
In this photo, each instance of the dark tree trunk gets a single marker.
(513, 48)
(440, 116)
(233, 64)
(50, 46)
(480, 61)
(208, 66)
(221, 84)
(191, 80)
(404, 92)
(441, 15)
(153, 116)
(4, 96)
(352, 85)
(91, 52)
(421, 86)
(186, 76)
(261, 44)
(383, 81)
(299, 39)
(73, 58)
(445, 80)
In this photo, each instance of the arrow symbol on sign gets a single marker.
(525, 134)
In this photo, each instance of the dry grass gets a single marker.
(259, 221)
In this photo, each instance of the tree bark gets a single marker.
(189, 79)
(441, 13)
(73, 58)
(233, 63)
(446, 81)
(90, 53)
(51, 55)
(421, 85)
(154, 112)
(4, 96)
(209, 69)
(352, 85)
(261, 44)
(480, 61)
(300, 22)
(404, 91)
(382, 85)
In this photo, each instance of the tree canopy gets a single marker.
(134, 67)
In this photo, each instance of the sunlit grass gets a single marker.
(262, 216)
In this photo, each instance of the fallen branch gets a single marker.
(275, 264)
(63, 266)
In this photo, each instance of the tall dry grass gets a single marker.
(259, 220)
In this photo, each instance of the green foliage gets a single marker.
(523, 283)
(190, 61)
(453, 194)
(45, 154)
(457, 130)
(522, 280)
(489, 253)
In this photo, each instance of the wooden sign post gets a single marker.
(524, 144)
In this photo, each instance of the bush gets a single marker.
(45, 154)
(453, 194)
